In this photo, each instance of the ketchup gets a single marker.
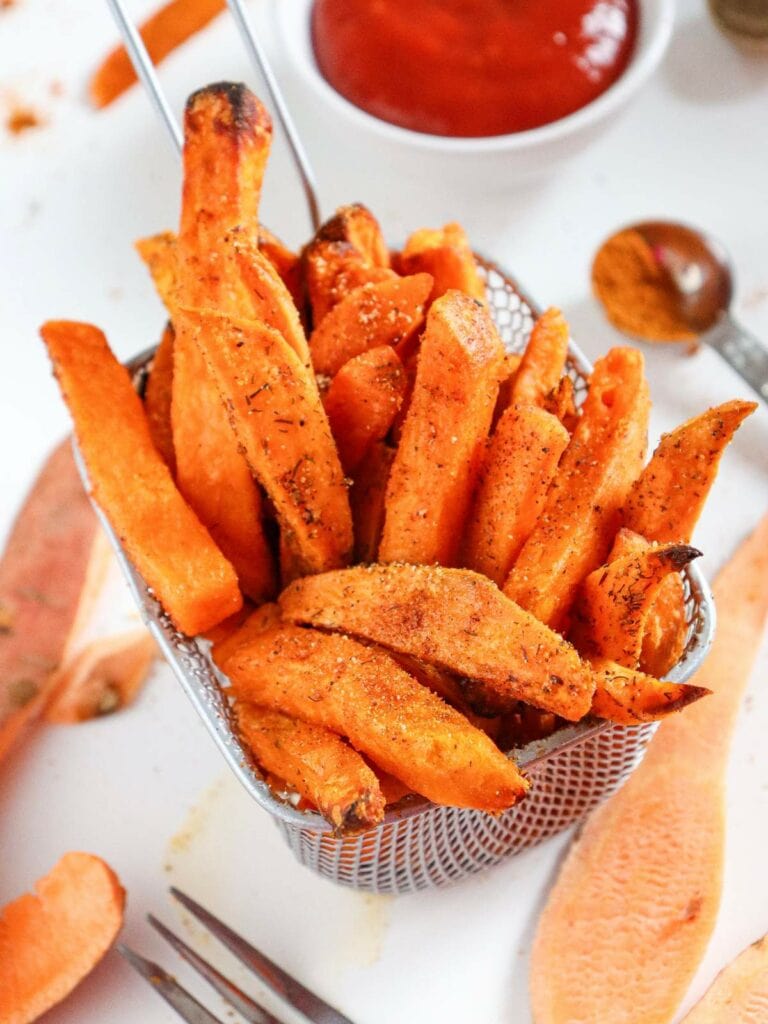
(472, 67)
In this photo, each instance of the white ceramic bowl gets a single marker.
(491, 161)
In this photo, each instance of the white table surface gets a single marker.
(146, 789)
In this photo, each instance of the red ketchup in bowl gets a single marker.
(472, 68)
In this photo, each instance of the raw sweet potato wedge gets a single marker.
(275, 410)
(652, 856)
(158, 395)
(52, 938)
(158, 253)
(51, 570)
(605, 456)
(520, 460)
(361, 692)
(362, 401)
(386, 312)
(543, 360)
(453, 618)
(446, 254)
(162, 536)
(739, 994)
(449, 416)
(317, 763)
(367, 499)
(629, 696)
(667, 499)
(332, 269)
(356, 225)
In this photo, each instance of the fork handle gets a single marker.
(742, 351)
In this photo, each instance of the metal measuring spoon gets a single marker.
(701, 272)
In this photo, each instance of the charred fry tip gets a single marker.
(680, 555)
(244, 113)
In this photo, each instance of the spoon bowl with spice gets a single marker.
(660, 281)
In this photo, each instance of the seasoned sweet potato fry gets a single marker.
(157, 399)
(454, 618)
(260, 620)
(362, 401)
(332, 269)
(435, 469)
(615, 600)
(519, 463)
(543, 360)
(512, 362)
(629, 696)
(446, 254)
(560, 402)
(158, 252)
(356, 225)
(581, 515)
(317, 763)
(387, 312)
(275, 410)
(666, 501)
(162, 536)
(285, 261)
(361, 692)
(367, 499)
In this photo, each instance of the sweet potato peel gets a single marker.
(335, 682)
(652, 856)
(52, 938)
(453, 618)
(739, 994)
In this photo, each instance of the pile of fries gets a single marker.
(410, 549)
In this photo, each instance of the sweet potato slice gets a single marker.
(361, 692)
(356, 225)
(367, 499)
(446, 254)
(604, 458)
(50, 572)
(158, 253)
(629, 696)
(543, 360)
(519, 463)
(52, 938)
(170, 26)
(666, 501)
(332, 269)
(158, 396)
(435, 469)
(651, 857)
(317, 763)
(739, 994)
(454, 618)
(615, 600)
(386, 312)
(162, 536)
(275, 410)
(362, 401)
(104, 677)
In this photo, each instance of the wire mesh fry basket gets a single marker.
(420, 845)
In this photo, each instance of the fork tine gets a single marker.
(293, 992)
(245, 1006)
(171, 991)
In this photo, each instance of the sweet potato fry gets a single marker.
(435, 469)
(362, 402)
(317, 763)
(739, 994)
(615, 600)
(652, 856)
(103, 677)
(157, 399)
(447, 255)
(560, 402)
(367, 499)
(387, 312)
(53, 938)
(512, 362)
(332, 269)
(543, 360)
(51, 570)
(286, 262)
(162, 32)
(164, 539)
(604, 458)
(360, 692)
(453, 618)
(158, 253)
(275, 410)
(260, 620)
(356, 225)
(629, 696)
(519, 463)
(448, 688)
(666, 501)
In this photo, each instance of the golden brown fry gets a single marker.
(360, 692)
(453, 618)
(333, 269)
(543, 360)
(317, 763)
(356, 225)
(435, 469)
(666, 501)
(446, 254)
(520, 461)
(157, 399)
(604, 458)
(628, 696)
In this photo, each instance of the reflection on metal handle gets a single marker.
(742, 350)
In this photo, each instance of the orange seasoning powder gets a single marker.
(636, 291)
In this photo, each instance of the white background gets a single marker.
(146, 789)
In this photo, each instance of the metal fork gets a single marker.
(292, 992)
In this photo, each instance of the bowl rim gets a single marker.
(655, 32)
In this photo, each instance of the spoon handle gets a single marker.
(742, 351)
